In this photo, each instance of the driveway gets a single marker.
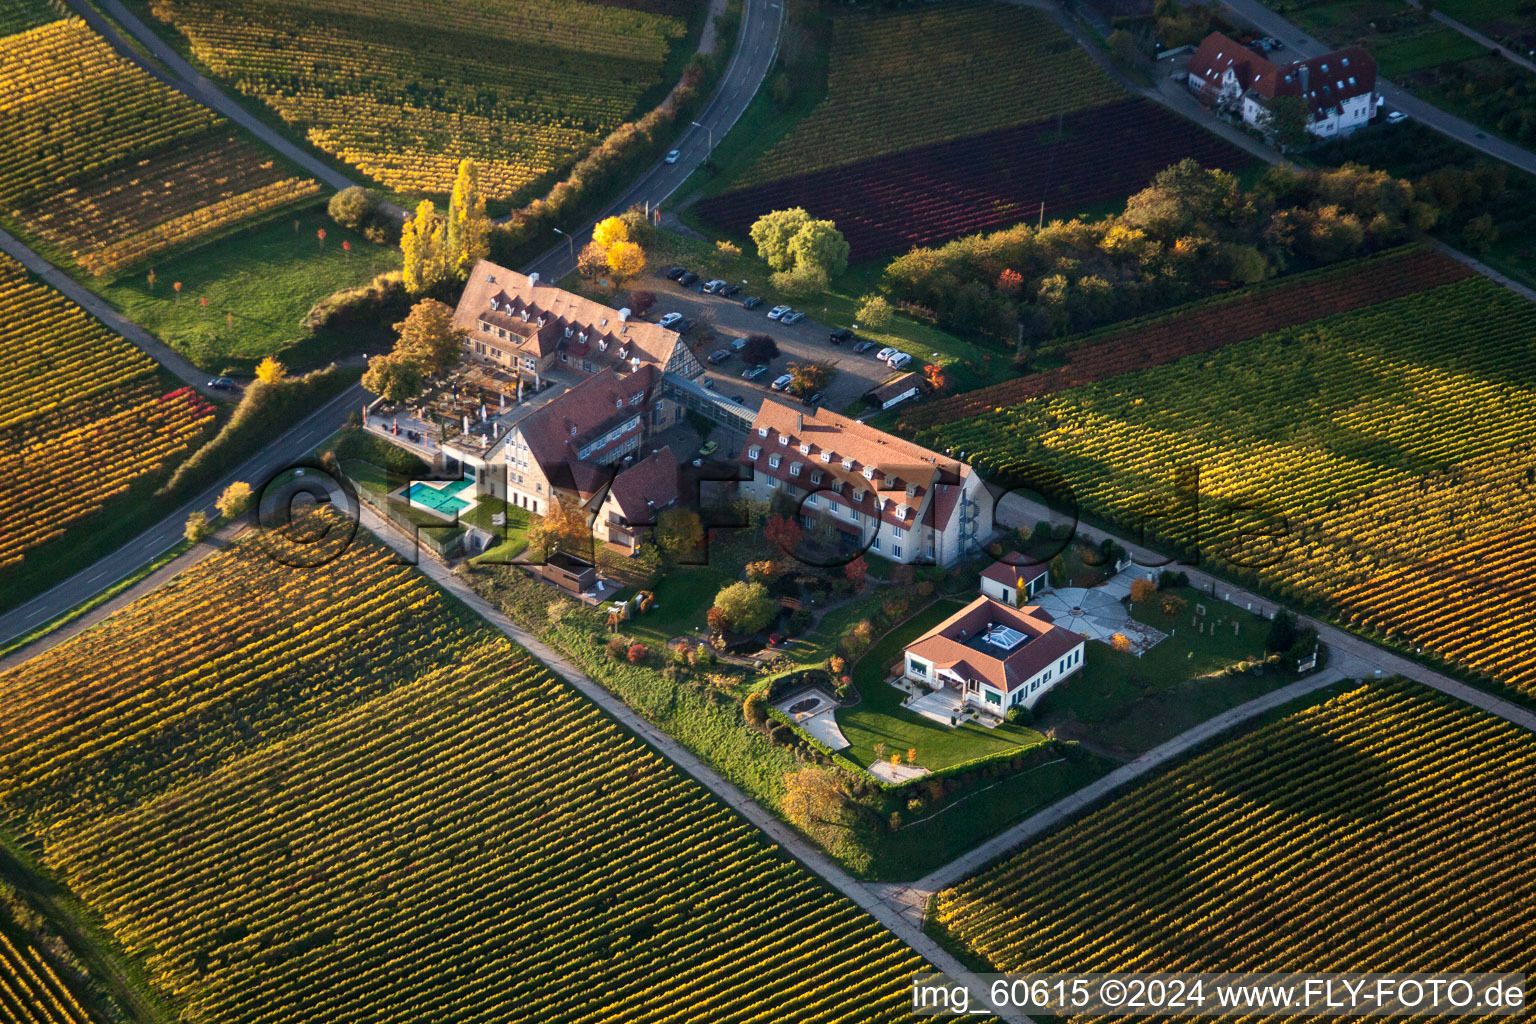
(804, 341)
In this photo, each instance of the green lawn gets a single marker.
(968, 364)
(880, 718)
(1405, 53)
(259, 283)
(1128, 705)
(684, 594)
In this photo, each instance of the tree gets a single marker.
(641, 300)
(933, 373)
(755, 709)
(353, 207)
(1288, 119)
(1172, 604)
(591, 261)
(235, 500)
(637, 220)
(874, 311)
(747, 607)
(393, 379)
(563, 527)
(808, 378)
(1284, 631)
(817, 801)
(772, 232)
(783, 532)
(1480, 232)
(429, 337)
(270, 371)
(1058, 571)
(609, 232)
(801, 282)
(857, 572)
(760, 348)
(467, 234)
(679, 532)
(196, 527)
(626, 260)
(819, 244)
(422, 248)
(1142, 590)
(761, 571)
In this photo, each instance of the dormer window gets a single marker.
(816, 477)
(762, 431)
(847, 462)
(573, 430)
(911, 490)
(903, 512)
(1345, 62)
(869, 472)
(805, 449)
(794, 470)
(773, 462)
(858, 496)
(637, 398)
(826, 456)
(570, 331)
(754, 452)
(783, 440)
(618, 403)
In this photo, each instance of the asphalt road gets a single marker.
(1301, 44)
(756, 48)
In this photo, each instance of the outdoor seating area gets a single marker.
(814, 710)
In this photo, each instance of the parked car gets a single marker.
(222, 384)
(754, 372)
(864, 346)
(794, 316)
(709, 383)
(688, 280)
(738, 399)
(899, 361)
(683, 326)
(885, 354)
(751, 302)
(840, 335)
(669, 320)
(673, 273)
(709, 448)
(778, 311)
(782, 382)
(672, 156)
(712, 286)
(728, 290)
(1396, 117)
(719, 356)
(814, 398)
(737, 344)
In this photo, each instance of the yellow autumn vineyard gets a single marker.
(1322, 841)
(31, 991)
(108, 165)
(404, 92)
(315, 794)
(83, 414)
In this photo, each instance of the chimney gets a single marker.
(533, 278)
(1304, 75)
(799, 422)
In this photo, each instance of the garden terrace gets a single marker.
(1319, 839)
(930, 194)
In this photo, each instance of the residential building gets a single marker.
(1012, 580)
(636, 497)
(573, 446)
(867, 490)
(523, 325)
(1339, 87)
(995, 656)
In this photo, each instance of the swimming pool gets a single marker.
(440, 498)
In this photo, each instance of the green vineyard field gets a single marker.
(1345, 432)
(31, 991)
(404, 91)
(909, 78)
(330, 794)
(1319, 842)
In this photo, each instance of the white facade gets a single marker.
(1343, 118)
(1008, 593)
(989, 697)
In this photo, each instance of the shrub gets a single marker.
(755, 710)
(617, 648)
(355, 208)
(636, 653)
(1019, 715)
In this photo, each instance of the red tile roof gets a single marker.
(951, 644)
(647, 487)
(557, 432)
(1013, 571)
(1330, 79)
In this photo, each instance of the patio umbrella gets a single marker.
(397, 425)
(503, 396)
(466, 423)
(483, 416)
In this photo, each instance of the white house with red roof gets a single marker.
(994, 655)
(871, 491)
(636, 497)
(1338, 87)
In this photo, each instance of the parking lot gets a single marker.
(804, 341)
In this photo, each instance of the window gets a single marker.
(754, 452)
(812, 501)
(854, 515)
(762, 431)
(773, 462)
(869, 472)
(993, 698)
(794, 470)
(874, 545)
(895, 550)
(919, 668)
(833, 507)
(805, 449)
(783, 440)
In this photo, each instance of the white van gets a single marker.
(900, 360)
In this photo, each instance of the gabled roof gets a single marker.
(898, 385)
(556, 433)
(834, 454)
(647, 487)
(1329, 79)
(1012, 570)
(505, 299)
(954, 644)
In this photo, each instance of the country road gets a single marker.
(756, 48)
